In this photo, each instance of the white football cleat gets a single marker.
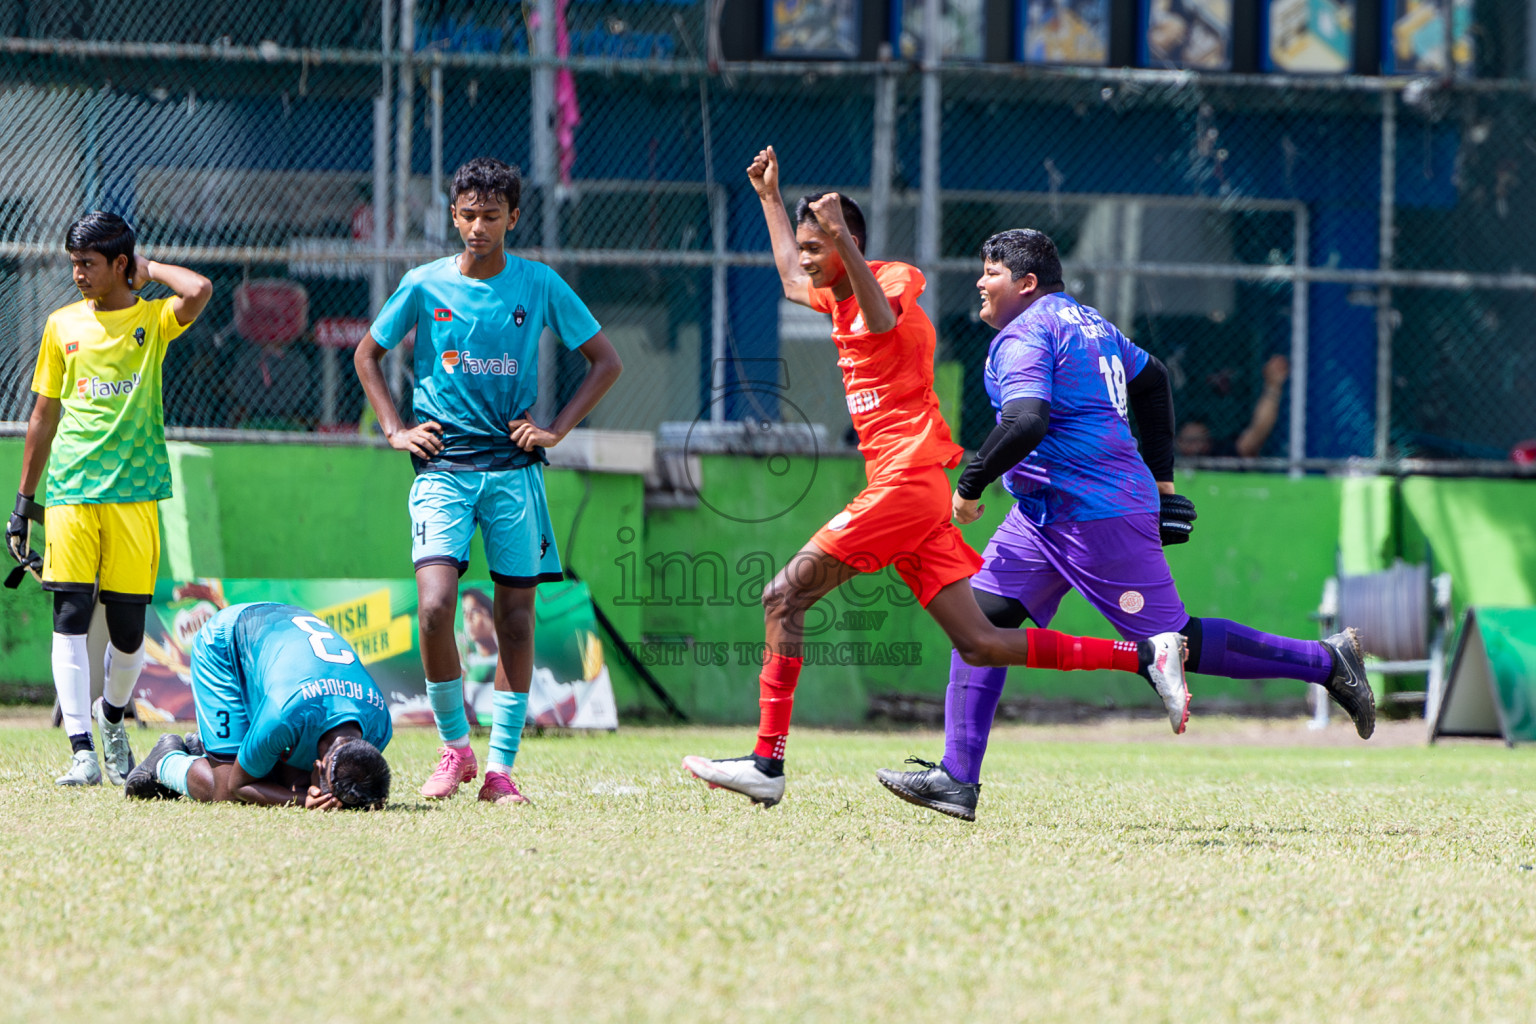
(116, 754)
(83, 770)
(1166, 670)
(740, 775)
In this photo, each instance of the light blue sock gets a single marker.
(508, 713)
(447, 701)
(172, 770)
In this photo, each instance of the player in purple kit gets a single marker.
(1093, 513)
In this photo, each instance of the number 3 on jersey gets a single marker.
(319, 632)
(1114, 379)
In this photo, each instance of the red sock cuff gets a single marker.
(776, 703)
(1066, 653)
(781, 672)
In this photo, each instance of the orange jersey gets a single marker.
(888, 377)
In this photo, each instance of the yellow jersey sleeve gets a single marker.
(48, 378)
(169, 327)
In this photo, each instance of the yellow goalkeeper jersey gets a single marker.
(105, 369)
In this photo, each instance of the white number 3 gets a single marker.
(1114, 380)
(319, 632)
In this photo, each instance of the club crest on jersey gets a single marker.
(498, 367)
(441, 314)
(138, 336)
(95, 387)
(519, 315)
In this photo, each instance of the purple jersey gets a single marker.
(1088, 466)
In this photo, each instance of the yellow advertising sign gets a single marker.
(396, 638)
(365, 623)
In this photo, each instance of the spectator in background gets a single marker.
(1194, 437)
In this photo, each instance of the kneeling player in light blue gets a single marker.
(286, 714)
(478, 455)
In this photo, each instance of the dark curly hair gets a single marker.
(485, 176)
(1025, 251)
(359, 774)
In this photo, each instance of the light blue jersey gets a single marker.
(477, 351)
(1088, 466)
(269, 680)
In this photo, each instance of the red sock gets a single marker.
(776, 688)
(1064, 652)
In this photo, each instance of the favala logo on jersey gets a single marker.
(498, 367)
(95, 387)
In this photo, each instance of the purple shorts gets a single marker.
(1117, 564)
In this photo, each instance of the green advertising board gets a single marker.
(1490, 690)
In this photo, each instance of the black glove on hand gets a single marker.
(18, 540)
(18, 532)
(1176, 519)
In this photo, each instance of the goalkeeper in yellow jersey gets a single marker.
(98, 427)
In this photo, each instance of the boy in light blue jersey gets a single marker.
(286, 713)
(478, 456)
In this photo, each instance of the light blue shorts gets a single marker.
(222, 717)
(509, 507)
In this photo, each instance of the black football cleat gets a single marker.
(933, 788)
(194, 743)
(1348, 685)
(142, 782)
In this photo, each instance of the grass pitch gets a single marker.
(1226, 876)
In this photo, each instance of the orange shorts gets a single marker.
(902, 519)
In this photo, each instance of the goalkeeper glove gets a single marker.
(1176, 517)
(18, 540)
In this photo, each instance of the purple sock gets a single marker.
(969, 704)
(1237, 651)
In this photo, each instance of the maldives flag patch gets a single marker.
(442, 314)
(71, 348)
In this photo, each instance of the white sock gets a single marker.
(122, 674)
(72, 681)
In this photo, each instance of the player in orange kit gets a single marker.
(885, 346)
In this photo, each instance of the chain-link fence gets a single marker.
(1331, 269)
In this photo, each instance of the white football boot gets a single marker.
(740, 775)
(1166, 670)
(83, 770)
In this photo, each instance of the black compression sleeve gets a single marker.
(1151, 396)
(1021, 428)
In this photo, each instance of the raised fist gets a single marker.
(764, 172)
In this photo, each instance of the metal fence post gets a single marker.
(882, 160)
(541, 125)
(94, 103)
(928, 214)
(719, 322)
(436, 228)
(405, 120)
(400, 228)
(378, 274)
(1300, 337)
(1384, 261)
